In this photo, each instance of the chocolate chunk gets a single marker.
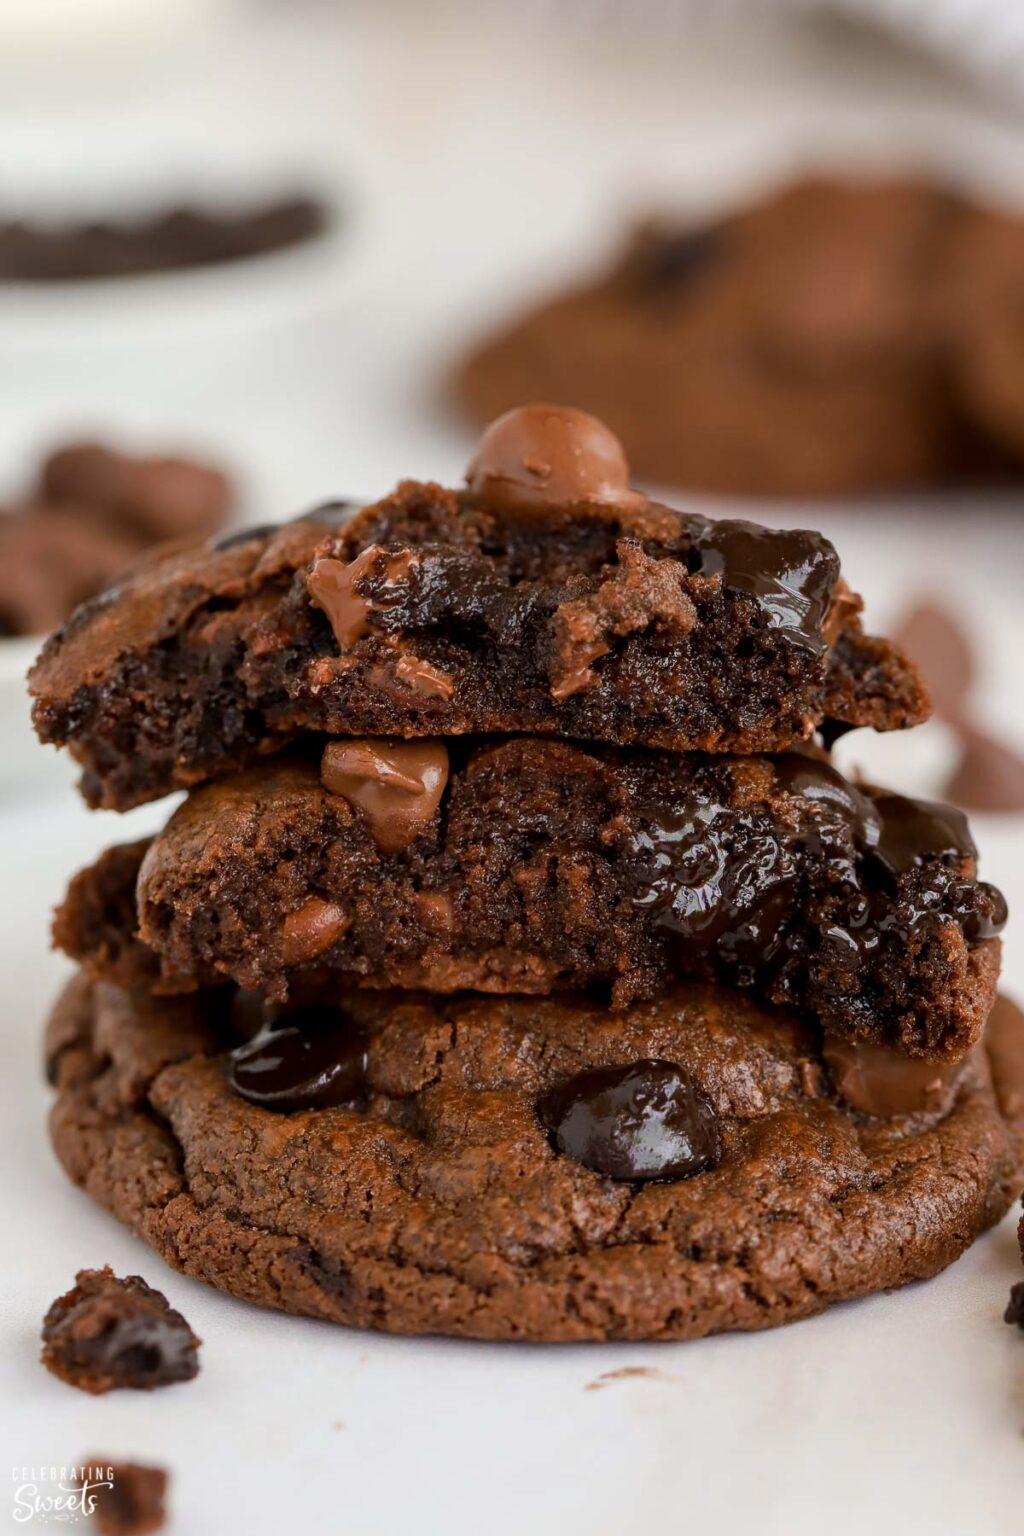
(545, 456)
(395, 785)
(989, 775)
(933, 637)
(317, 1061)
(123, 1498)
(647, 1120)
(107, 1333)
(913, 830)
(350, 593)
(881, 1080)
(792, 573)
(1015, 1306)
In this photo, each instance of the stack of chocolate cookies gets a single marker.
(518, 965)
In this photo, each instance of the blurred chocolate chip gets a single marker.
(668, 263)
(989, 776)
(647, 1120)
(239, 536)
(939, 644)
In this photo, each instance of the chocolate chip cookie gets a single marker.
(532, 865)
(509, 1168)
(546, 596)
(827, 340)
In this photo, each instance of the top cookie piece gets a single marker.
(836, 337)
(547, 596)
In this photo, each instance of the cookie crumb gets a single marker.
(1015, 1306)
(128, 1498)
(107, 1332)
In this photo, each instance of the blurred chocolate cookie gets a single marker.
(829, 340)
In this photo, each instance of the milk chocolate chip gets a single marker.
(395, 785)
(880, 1080)
(543, 456)
(647, 1120)
(312, 928)
(350, 593)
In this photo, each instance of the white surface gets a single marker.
(899, 1414)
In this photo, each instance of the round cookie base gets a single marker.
(440, 1207)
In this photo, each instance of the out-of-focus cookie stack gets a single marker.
(518, 965)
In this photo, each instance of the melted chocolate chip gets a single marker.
(350, 593)
(239, 536)
(396, 786)
(790, 572)
(880, 1080)
(673, 262)
(316, 1061)
(647, 1120)
(714, 881)
(987, 917)
(821, 784)
(913, 830)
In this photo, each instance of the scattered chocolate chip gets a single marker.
(880, 1080)
(331, 513)
(792, 573)
(107, 1332)
(932, 636)
(989, 775)
(1015, 1306)
(647, 1120)
(317, 1060)
(395, 785)
(123, 1498)
(545, 456)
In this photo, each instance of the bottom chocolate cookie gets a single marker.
(515, 1168)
